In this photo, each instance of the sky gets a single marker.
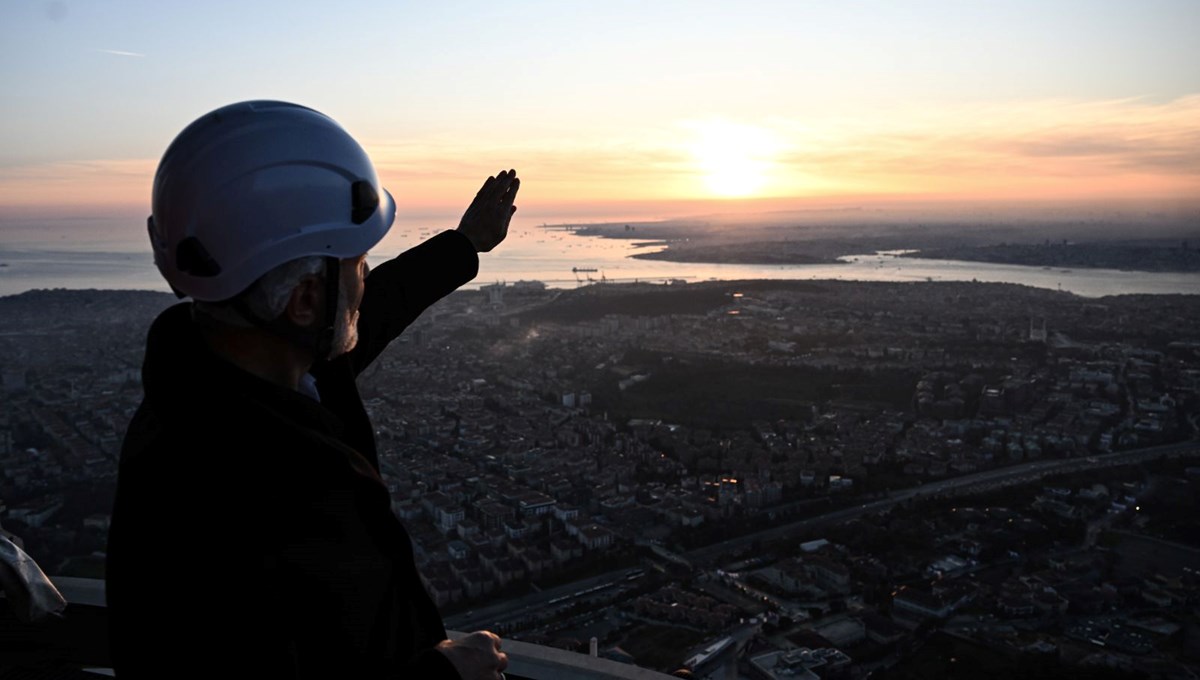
(619, 109)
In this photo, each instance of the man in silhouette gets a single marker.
(251, 532)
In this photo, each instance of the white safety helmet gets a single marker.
(256, 184)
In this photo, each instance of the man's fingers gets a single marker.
(499, 183)
(486, 638)
(490, 186)
(495, 186)
(511, 196)
(486, 220)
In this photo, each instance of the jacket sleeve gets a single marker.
(429, 663)
(398, 290)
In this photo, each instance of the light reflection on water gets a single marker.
(532, 253)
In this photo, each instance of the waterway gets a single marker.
(563, 259)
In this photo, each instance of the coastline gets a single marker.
(1126, 256)
(714, 242)
(747, 253)
(653, 254)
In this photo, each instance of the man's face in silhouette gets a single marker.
(353, 272)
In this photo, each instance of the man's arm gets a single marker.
(400, 289)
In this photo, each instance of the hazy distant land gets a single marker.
(1148, 256)
(1138, 242)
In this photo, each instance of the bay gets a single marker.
(563, 259)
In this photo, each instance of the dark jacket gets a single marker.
(251, 534)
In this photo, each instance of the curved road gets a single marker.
(531, 604)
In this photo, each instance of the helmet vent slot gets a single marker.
(365, 201)
(192, 257)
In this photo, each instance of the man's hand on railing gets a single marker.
(476, 656)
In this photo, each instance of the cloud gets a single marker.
(122, 53)
(77, 183)
(1018, 149)
(1045, 150)
(448, 171)
(1128, 145)
(1177, 153)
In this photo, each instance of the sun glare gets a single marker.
(734, 160)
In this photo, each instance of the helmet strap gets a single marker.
(324, 341)
(319, 340)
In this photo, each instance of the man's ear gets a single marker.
(305, 305)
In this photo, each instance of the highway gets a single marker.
(978, 482)
(533, 603)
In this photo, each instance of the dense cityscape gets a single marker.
(746, 479)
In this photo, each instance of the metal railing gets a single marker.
(76, 647)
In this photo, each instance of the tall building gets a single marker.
(1037, 334)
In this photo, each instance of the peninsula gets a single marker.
(1151, 243)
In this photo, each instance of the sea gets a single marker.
(74, 255)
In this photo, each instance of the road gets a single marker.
(532, 603)
(972, 483)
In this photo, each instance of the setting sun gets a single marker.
(734, 160)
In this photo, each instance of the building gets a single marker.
(800, 664)
(595, 537)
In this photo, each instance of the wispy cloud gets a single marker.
(1032, 150)
(1054, 148)
(584, 170)
(122, 53)
(67, 183)
(1019, 148)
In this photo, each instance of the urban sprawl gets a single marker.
(763, 478)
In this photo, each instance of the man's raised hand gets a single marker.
(485, 223)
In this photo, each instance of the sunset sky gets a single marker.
(621, 109)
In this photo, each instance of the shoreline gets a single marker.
(665, 287)
(715, 255)
(696, 243)
(732, 256)
(659, 254)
